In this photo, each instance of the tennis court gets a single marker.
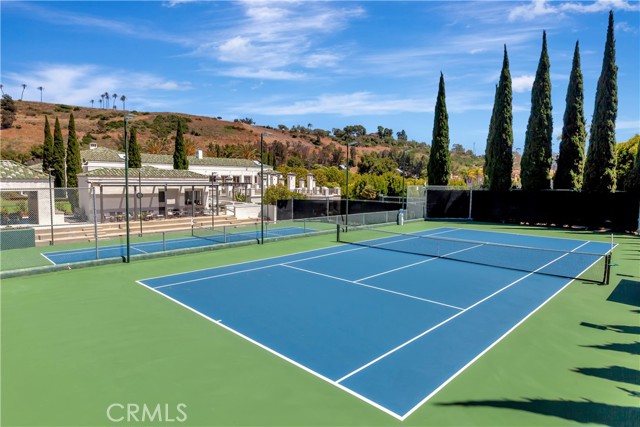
(391, 318)
(200, 236)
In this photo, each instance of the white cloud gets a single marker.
(600, 6)
(532, 10)
(352, 104)
(261, 73)
(522, 83)
(78, 84)
(276, 35)
(628, 125)
(626, 28)
(538, 8)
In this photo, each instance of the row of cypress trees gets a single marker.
(63, 162)
(597, 174)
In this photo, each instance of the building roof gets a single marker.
(102, 154)
(146, 172)
(14, 170)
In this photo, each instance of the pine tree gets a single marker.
(571, 160)
(536, 158)
(439, 166)
(180, 160)
(73, 155)
(600, 169)
(499, 151)
(58, 156)
(47, 146)
(135, 159)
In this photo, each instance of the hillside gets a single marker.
(106, 126)
(215, 137)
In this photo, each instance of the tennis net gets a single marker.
(226, 234)
(591, 267)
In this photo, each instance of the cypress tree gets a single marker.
(633, 179)
(47, 146)
(73, 155)
(58, 156)
(180, 160)
(600, 169)
(571, 159)
(499, 151)
(536, 158)
(439, 165)
(135, 159)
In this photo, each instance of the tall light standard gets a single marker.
(126, 183)
(346, 219)
(404, 173)
(262, 135)
(51, 203)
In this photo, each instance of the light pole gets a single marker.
(213, 212)
(404, 173)
(346, 219)
(51, 203)
(262, 135)
(139, 197)
(126, 183)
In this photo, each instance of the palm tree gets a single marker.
(1, 86)
(92, 103)
(106, 99)
(101, 98)
(40, 88)
(115, 97)
(123, 98)
(24, 86)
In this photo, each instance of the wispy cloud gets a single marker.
(276, 35)
(78, 84)
(626, 28)
(539, 8)
(352, 104)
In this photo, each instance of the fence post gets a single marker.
(470, 202)
(95, 219)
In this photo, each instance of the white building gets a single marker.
(26, 196)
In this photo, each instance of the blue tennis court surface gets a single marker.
(391, 328)
(116, 251)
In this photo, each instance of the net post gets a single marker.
(470, 203)
(224, 234)
(337, 232)
(164, 242)
(607, 268)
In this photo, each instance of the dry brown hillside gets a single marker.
(106, 128)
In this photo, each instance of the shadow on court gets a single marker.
(631, 348)
(613, 373)
(627, 292)
(581, 412)
(622, 329)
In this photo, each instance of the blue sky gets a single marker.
(328, 64)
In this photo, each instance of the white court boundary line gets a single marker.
(258, 268)
(276, 353)
(370, 286)
(159, 242)
(327, 248)
(47, 258)
(406, 343)
(337, 383)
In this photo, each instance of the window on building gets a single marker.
(193, 197)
